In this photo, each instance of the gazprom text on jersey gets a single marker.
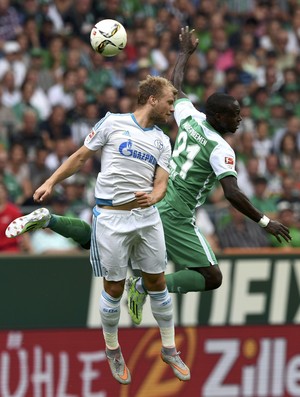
(126, 151)
(194, 133)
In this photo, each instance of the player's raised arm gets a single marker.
(187, 45)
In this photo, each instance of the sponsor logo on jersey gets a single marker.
(127, 150)
(229, 161)
(90, 136)
(126, 133)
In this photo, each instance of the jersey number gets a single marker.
(191, 150)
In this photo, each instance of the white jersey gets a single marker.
(129, 157)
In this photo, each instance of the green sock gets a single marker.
(185, 281)
(74, 228)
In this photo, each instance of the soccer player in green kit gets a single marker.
(201, 157)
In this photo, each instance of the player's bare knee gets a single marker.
(216, 281)
(114, 288)
(213, 277)
(154, 282)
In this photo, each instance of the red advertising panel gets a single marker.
(256, 361)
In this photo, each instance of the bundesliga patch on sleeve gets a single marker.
(91, 135)
(229, 161)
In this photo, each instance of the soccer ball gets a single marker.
(108, 37)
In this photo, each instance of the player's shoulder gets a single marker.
(161, 134)
(111, 118)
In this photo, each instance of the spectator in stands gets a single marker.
(292, 126)
(26, 101)
(262, 143)
(247, 124)
(291, 98)
(108, 101)
(18, 167)
(11, 95)
(39, 98)
(11, 62)
(247, 172)
(9, 212)
(55, 58)
(58, 154)
(31, 28)
(9, 123)
(56, 127)
(290, 193)
(278, 114)
(9, 22)
(38, 170)
(75, 192)
(160, 54)
(80, 18)
(51, 11)
(261, 198)
(43, 75)
(63, 93)
(287, 215)
(193, 85)
(288, 150)
(29, 8)
(240, 232)
(260, 107)
(29, 134)
(82, 126)
(273, 175)
(99, 76)
(13, 188)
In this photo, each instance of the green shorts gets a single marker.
(186, 246)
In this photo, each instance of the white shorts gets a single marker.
(118, 236)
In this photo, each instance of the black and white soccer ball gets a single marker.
(108, 37)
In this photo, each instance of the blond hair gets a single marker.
(153, 86)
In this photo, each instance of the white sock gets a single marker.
(162, 310)
(110, 316)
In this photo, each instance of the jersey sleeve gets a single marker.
(98, 136)
(184, 108)
(222, 161)
(164, 158)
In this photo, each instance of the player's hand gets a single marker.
(144, 199)
(278, 230)
(187, 41)
(43, 192)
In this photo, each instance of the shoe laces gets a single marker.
(118, 362)
(178, 358)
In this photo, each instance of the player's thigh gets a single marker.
(186, 246)
(110, 247)
(149, 252)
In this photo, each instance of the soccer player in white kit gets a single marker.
(135, 157)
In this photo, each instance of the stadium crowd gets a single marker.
(54, 87)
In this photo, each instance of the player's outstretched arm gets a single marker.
(241, 202)
(68, 168)
(187, 45)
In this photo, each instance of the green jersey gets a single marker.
(200, 157)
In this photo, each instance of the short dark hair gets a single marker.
(218, 103)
